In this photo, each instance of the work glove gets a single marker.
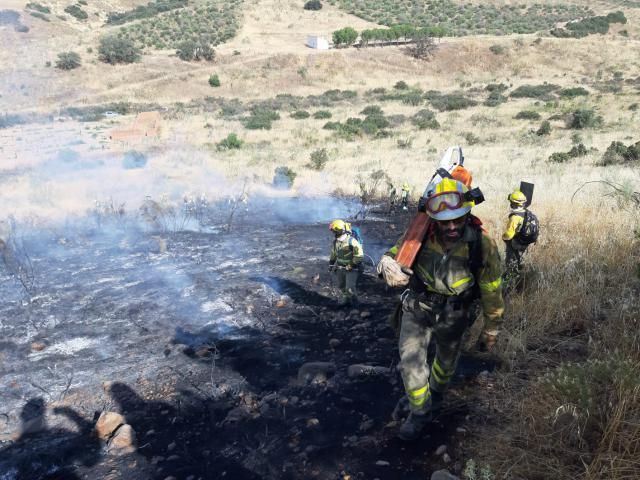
(487, 341)
(392, 272)
(348, 268)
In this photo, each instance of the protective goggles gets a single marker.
(444, 201)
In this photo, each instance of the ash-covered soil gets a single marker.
(202, 340)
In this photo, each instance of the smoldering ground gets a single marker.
(192, 314)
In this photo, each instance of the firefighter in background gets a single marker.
(393, 195)
(406, 190)
(457, 264)
(518, 235)
(345, 261)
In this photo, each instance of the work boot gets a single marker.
(413, 426)
(436, 401)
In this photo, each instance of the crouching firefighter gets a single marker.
(456, 264)
(345, 260)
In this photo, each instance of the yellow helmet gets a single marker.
(338, 226)
(517, 198)
(448, 200)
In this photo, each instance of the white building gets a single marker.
(319, 43)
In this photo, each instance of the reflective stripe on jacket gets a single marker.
(449, 273)
(346, 250)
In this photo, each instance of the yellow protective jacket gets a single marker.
(449, 273)
(346, 250)
(516, 218)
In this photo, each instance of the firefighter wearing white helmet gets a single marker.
(457, 264)
(522, 230)
(345, 260)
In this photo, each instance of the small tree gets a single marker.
(345, 36)
(68, 61)
(214, 80)
(313, 5)
(232, 142)
(423, 46)
(115, 50)
(189, 50)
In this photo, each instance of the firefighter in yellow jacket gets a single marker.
(345, 260)
(514, 248)
(457, 263)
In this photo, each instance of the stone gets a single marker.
(365, 314)
(382, 463)
(461, 430)
(315, 372)
(446, 458)
(124, 440)
(38, 346)
(171, 446)
(366, 425)
(107, 424)
(441, 449)
(360, 370)
(334, 343)
(443, 475)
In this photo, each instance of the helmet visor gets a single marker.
(444, 201)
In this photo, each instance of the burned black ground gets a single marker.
(199, 345)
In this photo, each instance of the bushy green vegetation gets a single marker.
(589, 26)
(313, 5)
(545, 129)
(322, 115)
(284, 177)
(584, 118)
(576, 151)
(151, 9)
(214, 80)
(374, 125)
(208, 23)
(77, 12)
(190, 50)
(232, 142)
(68, 61)
(542, 92)
(527, 115)
(39, 15)
(318, 159)
(117, 50)
(344, 37)
(448, 102)
(573, 92)
(464, 18)
(425, 119)
(37, 7)
(619, 153)
(261, 119)
(300, 114)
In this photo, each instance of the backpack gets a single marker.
(356, 233)
(529, 230)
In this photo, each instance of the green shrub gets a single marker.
(284, 177)
(401, 85)
(313, 5)
(527, 115)
(214, 80)
(576, 151)
(545, 129)
(534, 91)
(573, 92)
(332, 126)
(261, 119)
(189, 50)
(232, 142)
(300, 114)
(471, 138)
(77, 12)
(449, 102)
(318, 159)
(405, 143)
(372, 110)
(618, 152)
(497, 49)
(633, 107)
(68, 61)
(496, 87)
(589, 26)
(38, 7)
(39, 15)
(425, 119)
(115, 50)
(494, 99)
(322, 114)
(584, 118)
